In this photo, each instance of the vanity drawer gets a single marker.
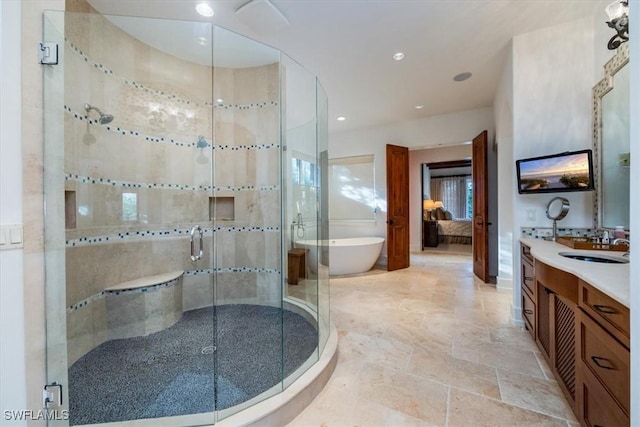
(605, 358)
(528, 278)
(529, 314)
(612, 315)
(597, 408)
(525, 252)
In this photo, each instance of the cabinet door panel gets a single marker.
(543, 320)
(598, 408)
(564, 344)
(529, 314)
(528, 279)
(606, 311)
(606, 358)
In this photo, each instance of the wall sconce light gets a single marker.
(618, 13)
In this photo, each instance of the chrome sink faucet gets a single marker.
(623, 242)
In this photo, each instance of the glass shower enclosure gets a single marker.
(174, 197)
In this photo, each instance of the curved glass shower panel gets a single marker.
(131, 187)
(300, 181)
(246, 217)
(322, 137)
(169, 195)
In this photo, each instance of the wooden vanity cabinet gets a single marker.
(603, 388)
(557, 303)
(528, 290)
(584, 336)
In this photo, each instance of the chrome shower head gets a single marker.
(103, 119)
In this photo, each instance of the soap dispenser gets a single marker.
(619, 233)
(605, 237)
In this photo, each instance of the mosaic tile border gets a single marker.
(232, 270)
(141, 234)
(172, 141)
(153, 185)
(157, 92)
(542, 232)
(151, 288)
(619, 60)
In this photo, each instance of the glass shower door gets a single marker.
(247, 222)
(129, 220)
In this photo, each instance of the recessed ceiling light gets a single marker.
(462, 76)
(204, 9)
(341, 119)
(398, 56)
(419, 107)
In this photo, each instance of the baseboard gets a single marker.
(516, 316)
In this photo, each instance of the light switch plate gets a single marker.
(11, 236)
(531, 214)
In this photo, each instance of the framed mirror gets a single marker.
(611, 144)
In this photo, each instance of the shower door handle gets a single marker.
(195, 257)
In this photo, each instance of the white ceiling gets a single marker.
(348, 44)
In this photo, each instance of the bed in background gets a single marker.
(454, 231)
(451, 230)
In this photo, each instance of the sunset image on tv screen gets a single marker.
(564, 172)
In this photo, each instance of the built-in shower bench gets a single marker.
(145, 305)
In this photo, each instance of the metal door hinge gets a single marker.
(48, 53)
(52, 394)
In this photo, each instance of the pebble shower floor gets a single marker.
(171, 372)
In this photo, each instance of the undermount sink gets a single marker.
(594, 258)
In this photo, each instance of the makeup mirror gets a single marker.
(557, 209)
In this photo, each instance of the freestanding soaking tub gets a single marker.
(347, 255)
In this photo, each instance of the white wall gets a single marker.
(12, 333)
(506, 175)
(448, 129)
(635, 212)
(552, 74)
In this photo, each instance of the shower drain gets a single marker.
(208, 349)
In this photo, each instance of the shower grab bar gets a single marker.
(195, 257)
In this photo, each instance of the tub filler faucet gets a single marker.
(299, 226)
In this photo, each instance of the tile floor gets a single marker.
(431, 345)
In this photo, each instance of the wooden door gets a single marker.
(397, 207)
(480, 208)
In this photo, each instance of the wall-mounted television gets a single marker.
(569, 171)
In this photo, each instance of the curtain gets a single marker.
(452, 192)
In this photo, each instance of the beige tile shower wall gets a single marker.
(93, 268)
(162, 105)
(249, 116)
(245, 86)
(100, 212)
(86, 329)
(248, 288)
(197, 291)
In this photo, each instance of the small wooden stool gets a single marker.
(297, 261)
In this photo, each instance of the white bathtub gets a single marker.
(346, 256)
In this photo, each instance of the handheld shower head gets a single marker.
(103, 119)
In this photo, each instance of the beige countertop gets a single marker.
(612, 279)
